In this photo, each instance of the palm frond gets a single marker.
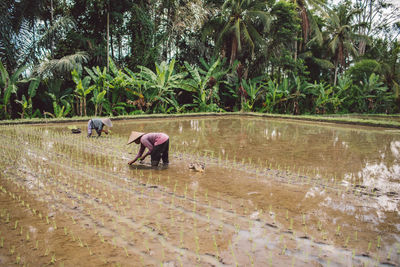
(63, 65)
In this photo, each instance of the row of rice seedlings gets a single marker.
(19, 230)
(313, 176)
(249, 160)
(74, 237)
(339, 192)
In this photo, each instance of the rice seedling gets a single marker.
(126, 252)
(369, 246)
(337, 230)
(12, 250)
(53, 259)
(216, 247)
(388, 256)
(146, 245)
(80, 242)
(346, 241)
(319, 225)
(378, 244)
(291, 224)
(284, 249)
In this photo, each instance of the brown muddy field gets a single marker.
(273, 192)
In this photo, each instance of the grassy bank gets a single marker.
(334, 118)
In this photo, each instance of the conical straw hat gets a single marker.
(107, 122)
(134, 136)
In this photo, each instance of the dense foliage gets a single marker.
(107, 58)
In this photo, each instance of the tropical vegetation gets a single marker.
(108, 58)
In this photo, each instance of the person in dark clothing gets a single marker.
(156, 143)
(97, 125)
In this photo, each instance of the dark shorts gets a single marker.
(160, 152)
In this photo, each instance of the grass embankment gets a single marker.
(329, 118)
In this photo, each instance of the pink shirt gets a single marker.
(150, 140)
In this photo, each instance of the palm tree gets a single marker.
(62, 67)
(242, 22)
(342, 36)
(308, 23)
(20, 43)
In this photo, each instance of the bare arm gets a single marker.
(140, 153)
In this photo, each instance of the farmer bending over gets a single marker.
(98, 125)
(156, 143)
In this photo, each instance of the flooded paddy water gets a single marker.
(273, 192)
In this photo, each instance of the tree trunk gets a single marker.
(112, 47)
(336, 72)
(108, 38)
(234, 49)
(51, 24)
(81, 106)
(84, 105)
(5, 104)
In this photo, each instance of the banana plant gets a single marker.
(340, 96)
(60, 110)
(82, 89)
(26, 103)
(137, 93)
(375, 94)
(101, 86)
(179, 108)
(205, 83)
(322, 92)
(275, 94)
(98, 100)
(9, 86)
(161, 84)
(117, 93)
(254, 89)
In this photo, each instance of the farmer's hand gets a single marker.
(131, 162)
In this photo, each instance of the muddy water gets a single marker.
(273, 192)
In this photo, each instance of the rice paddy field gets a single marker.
(273, 193)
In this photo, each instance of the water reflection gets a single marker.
(351, 156)
(368, 155)
(395, 148)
